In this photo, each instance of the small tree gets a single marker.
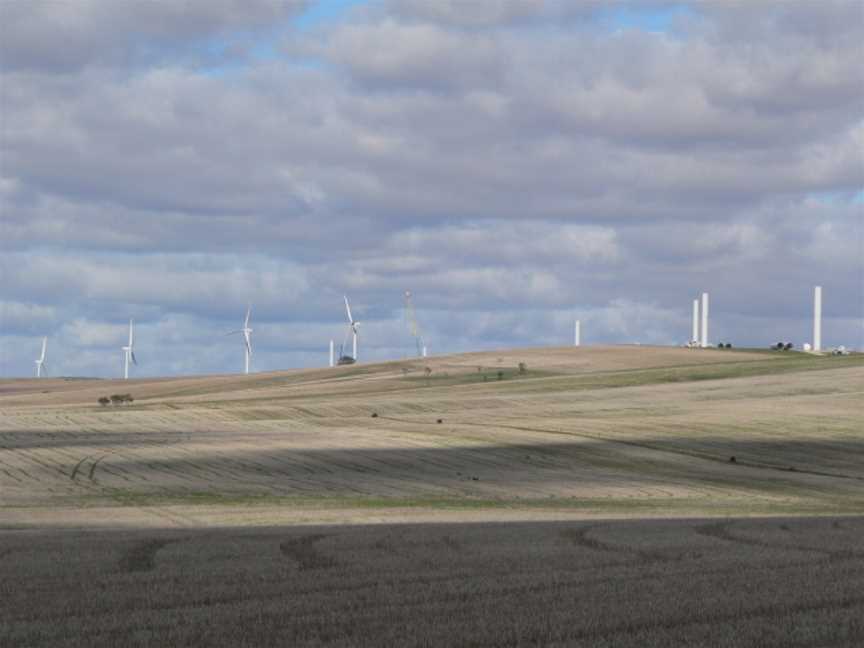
(500, 375)
(104, 400)
(523, 368)
(116, 399)
(128, 398)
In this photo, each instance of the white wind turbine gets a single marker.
(41, 361)
(352, 326)
(247, 338)
(129, 353)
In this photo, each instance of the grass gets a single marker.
(794, 363)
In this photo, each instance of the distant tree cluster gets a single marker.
(116, 399)
(783, 346)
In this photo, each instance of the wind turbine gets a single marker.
(413, 327)
(129, 353)
(41, 361)
(247, 339)
(352, 326)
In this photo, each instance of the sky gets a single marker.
(515, 164)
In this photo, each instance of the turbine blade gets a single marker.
(248, 313)
(132, 353)
(348, 310)
(130, 332)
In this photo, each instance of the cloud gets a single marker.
(510, 163)
(454, 13)
(63, 37)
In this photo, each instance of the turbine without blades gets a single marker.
(247, 338)
(40, 363)
(129, 352)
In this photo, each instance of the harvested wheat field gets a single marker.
(593, 496)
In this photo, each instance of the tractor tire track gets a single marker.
(142, 556)
(720, 531)
(579, 537)
(302, 550)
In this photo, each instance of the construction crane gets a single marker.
(413, 328)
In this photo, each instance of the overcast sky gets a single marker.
(515, 164)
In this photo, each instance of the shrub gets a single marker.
(104, 400)
(500, 375)
(522, 367)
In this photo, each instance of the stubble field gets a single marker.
(596, 496)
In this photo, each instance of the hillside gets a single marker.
(591, 431)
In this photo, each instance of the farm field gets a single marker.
(698, 582)
(601, 496)
(608, 430)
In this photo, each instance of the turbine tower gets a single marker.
(41, 361)
(704, 340)
(352, 327)
(411, 320)
(817, 318)
(694, 337)
(332, 354)
(129, 352)
(247, 338)
(577, 333)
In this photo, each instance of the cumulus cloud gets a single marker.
(515, 162)
(64, 36)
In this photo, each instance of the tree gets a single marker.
(522, 367)
(104, 400)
